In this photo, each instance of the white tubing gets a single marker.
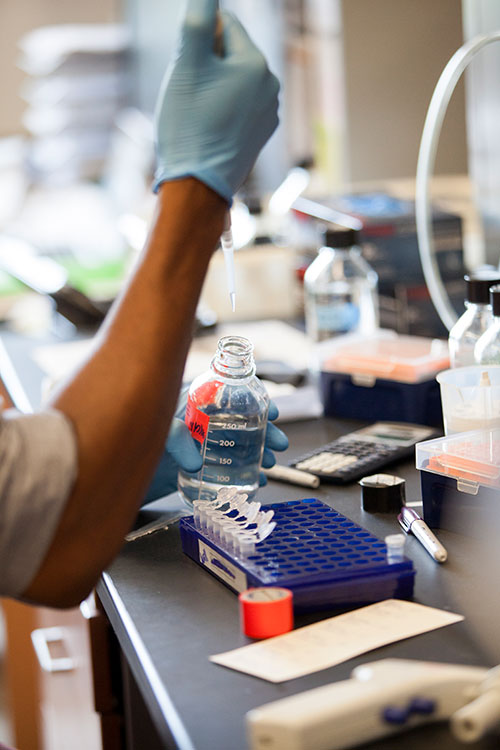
(425, 166)
(474, 720)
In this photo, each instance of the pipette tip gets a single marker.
(232, 297)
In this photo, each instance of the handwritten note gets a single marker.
(335, 640)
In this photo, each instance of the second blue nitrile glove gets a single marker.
(181, 451)
(214, 113)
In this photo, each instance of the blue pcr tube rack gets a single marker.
(324, 558)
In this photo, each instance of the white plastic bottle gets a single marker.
(487, 349)
(340, 289)
(475, 320)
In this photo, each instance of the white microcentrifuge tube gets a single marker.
(244, 544)
(395, 547)
(264, 531)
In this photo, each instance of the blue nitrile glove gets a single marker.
(181, 452)
(214, 113)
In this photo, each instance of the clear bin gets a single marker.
(460, 476)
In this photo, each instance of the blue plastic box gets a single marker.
(325, 559)
(419, 403)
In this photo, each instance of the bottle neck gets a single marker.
(477, 306)
(234, 358)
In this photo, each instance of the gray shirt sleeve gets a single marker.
(38, 465)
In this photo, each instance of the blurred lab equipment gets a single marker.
(45, 276)
(340, 288)
(389, 244)
(487, 349)
(380, 699)
(426, 159)
(226, 413)
(77, 83)
(470, 398)
(475, 320)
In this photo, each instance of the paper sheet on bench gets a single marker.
(334, 640)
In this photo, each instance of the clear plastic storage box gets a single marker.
(384, 376)
(460, 476)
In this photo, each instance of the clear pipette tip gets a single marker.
(227, 244)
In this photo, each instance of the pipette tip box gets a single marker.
(383, 376)
(324, 558)
(460, 479)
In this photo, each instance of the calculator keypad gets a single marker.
(347, 460)
(326, 462)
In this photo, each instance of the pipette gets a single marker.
(226, 239)
(227, 245)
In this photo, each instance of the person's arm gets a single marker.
(123, 399)
(213, 116)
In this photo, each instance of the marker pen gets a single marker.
(411, 522)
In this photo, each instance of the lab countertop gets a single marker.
(170, 615)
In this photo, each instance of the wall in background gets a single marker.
(394, 53)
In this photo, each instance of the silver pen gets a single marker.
(411, 522)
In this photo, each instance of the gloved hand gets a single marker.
(214, 113)
(181, 452)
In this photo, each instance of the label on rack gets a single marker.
(221, 567)
(197, 421)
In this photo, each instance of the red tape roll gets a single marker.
(266, 611)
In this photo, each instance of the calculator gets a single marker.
(363, 452)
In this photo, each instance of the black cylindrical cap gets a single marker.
(495, 299)
(342, 237)
(478, 286)
(382, 493)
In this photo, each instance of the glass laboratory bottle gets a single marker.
(475, 320)
(340, 289)
(487, 349)
(226, 414)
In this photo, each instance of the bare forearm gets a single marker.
(122, 401)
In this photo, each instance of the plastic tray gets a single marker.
(404, 359)
(460, 478)
(325, 559)
(472, 458)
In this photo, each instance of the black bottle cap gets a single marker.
(478, 286)
(495, 299)
(342, 237)
(382, 493)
